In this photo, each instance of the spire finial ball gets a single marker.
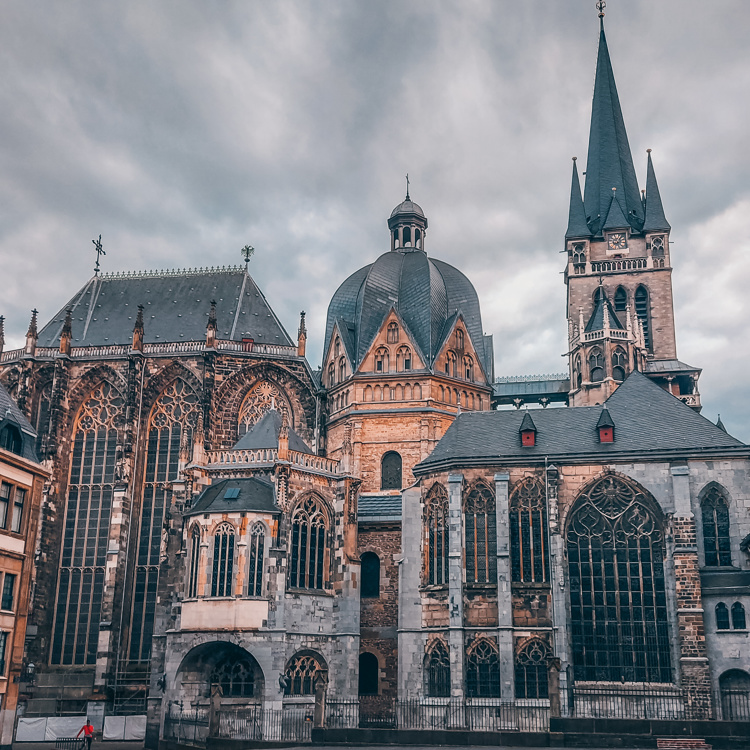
(648, 150)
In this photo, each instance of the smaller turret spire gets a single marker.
(615, 215)
(655, 220)
(138, 331)
(32, 335)
(211, 326)
(720, 424)
(66, 335)
(577, 226)
(301, 335)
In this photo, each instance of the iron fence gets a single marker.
(189, 726)
(293, 723)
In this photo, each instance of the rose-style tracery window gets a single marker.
(483, 671)
(300, 674)
(173, 418)
(436, 536)
(86, 531)
(615, 545)
(263, 396)
(236, 676)
(529, 543)
(531, 670)
(480, 535)
(309, 540)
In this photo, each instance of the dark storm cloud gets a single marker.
(183, 130)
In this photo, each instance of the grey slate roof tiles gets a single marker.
(176, 309)
(649, 422)
(255, 494)
(9, 412)
(379, 508)
(655, 220)
(265, 434)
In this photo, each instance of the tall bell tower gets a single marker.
(619, 272)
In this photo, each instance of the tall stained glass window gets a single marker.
(86, 531)
(480, 535)
(715, 516)
(529, 544)
(618, 602)
(173, 418)
(309, 540)
(436, 536)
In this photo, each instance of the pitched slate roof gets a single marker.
(379, 508)
(596, 321)
(255, 493)
(424, 291)
(176, 309)
(10, 413)
(650, 423)
(265, 434)
(609, 163)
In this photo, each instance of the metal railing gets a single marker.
(188, 726)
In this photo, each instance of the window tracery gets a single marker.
(468, 368)
(619, 364)
(381, 360)
(483, 671)
(223, 562)
(436, 536)
(309, 541)
(403, 359)
(87, 517)
(451, 364)
(255, 553)
(579, 257)
(264, 395)
(596, 365)
(529, 541)
(619, 622)
(717, 546)
(301, 673)
(173, 418)
(236, 677)
(480, 535)
(531, 670)
(438, 672)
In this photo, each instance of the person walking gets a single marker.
(87, 730)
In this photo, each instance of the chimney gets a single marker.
(138, 331)
(211, 327)
(31, 335)
(527, 431)
(301, 335)
(66, 334)
(606, 427)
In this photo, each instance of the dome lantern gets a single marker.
(408, 226)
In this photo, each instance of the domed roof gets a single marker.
(427, 294)
(407, 207)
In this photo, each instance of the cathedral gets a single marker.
(228, 532)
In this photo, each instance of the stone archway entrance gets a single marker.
(734, 687)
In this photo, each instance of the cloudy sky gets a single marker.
(182, 131)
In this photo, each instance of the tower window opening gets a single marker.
(342, 369)
(451, 364)
(390, 471)
(417, 238)
(407, 236)
(403, 359)
(370, 572)
(468, 368)
(381, 360)
(717, 547)
(596, 365)
(621, 300)
(331, 374)
(619, 364)
(642, 311)
(579, 255)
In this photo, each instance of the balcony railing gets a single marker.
(621, 264)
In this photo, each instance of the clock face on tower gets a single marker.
(618, 241)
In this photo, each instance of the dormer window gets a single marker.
(392, 336)
(527, 430)
(606, 427)
(11, 440)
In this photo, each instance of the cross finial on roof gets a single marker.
(600, 6)
(99, 252)
(407, 187)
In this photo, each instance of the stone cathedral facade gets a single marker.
(225, 523)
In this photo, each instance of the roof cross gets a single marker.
(407, 187)
(99, 253)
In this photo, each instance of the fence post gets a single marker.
(553, 680)
(320, 700)
(214, 712)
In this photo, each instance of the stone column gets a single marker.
(504, 594)
(695, 677)
(455, 585)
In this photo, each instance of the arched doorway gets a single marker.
(734, 687)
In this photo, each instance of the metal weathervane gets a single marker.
(99, 253)
(600, 6)
(247, 252)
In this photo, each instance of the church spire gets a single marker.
(577, 226)
(655, 220)
(609, 163)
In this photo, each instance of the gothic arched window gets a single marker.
(337, 347)
(722, 616)
(621, 299)
(531, 670)
(734, 686)
(172, 421)
(483, 671)
(194, 562)
(255, 554)
(390, 471)
(236, 677)
(265, 395)
(579, 256)
(451, 364)
(480, 532)
(392, 335)
(738, 616)
(715, 516)
(369, 674)
(223, 563)
(596, 365)
(529, 544)
(342, 369)
(619, 364)
(331, 374)
(468, 368)
(381, 360)
(618, 604)
(436, 536)
(309, 542)
(87, 515)
(300, 674)
(643, 312)
(438, 672)
(403, 359)
(459, 339)
(370, 572)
